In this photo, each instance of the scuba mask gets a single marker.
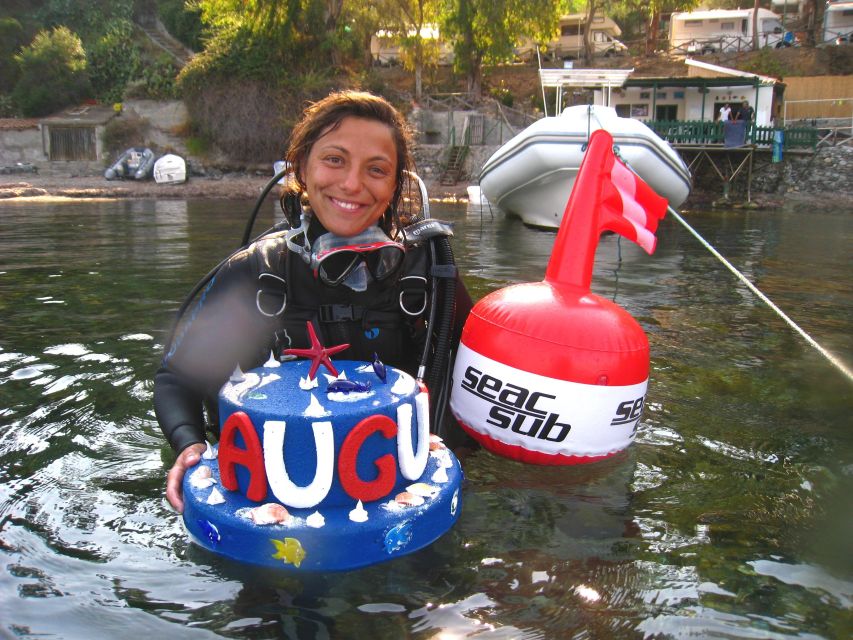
(351, 260)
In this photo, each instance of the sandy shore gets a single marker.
(228, 186)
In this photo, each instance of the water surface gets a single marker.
(730, 516)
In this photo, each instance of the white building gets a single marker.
(698, 96)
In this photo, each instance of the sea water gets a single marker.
(728, 517)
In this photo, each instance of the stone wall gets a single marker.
(829, 171)
(22, 145)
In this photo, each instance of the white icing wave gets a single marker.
(351, 396)
(315, 520)
(307, 383)
(404, 385)
(315, 409)
(272, 362)
(358, 514)
(215, 497)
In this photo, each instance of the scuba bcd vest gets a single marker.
(388, 318)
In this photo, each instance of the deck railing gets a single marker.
(709, 133)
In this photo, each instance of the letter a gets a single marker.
(252, 457)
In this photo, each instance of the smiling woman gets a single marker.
(346, 273)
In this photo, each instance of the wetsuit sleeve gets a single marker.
(222, 330)
(178, 409)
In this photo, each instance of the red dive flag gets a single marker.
(630, 206)
(606, 195)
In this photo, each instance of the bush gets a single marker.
(124, 132)
(157, 81)
(243, 118)
(113, 60)
(53, 73)
(7, 107)
(182, 21)
(11, 40)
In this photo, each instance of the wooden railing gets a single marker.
(709, 133)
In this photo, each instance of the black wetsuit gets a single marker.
(234, 322)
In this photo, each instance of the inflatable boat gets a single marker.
(531, 176)
(136, 163)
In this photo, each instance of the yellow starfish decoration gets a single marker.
(289, 550)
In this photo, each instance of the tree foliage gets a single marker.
(487, 31)
(53, 73)
(11, 40)
(113, 60)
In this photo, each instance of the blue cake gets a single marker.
(322, 473)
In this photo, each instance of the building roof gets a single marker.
(18, 124)
(81, 116)
(593, 78)
(718, 14)
(703, 74)
(697, 68)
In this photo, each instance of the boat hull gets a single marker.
(170, 169)
(532, 175)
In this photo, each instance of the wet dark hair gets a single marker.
(326, 115)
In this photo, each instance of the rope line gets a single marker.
(826, 354)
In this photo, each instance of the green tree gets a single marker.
(53, 73)
(11, 40)
(413, 21)
(113, 60)
(89, 19)
(487, 31)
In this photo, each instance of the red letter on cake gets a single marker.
(252, 457)
(384, 482)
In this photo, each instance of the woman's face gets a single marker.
(351, 174)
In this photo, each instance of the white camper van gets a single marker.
(385, 45)
(838, 22)
(569, 44)
(723, 30)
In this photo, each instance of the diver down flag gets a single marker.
(606, 196)
(626, 196)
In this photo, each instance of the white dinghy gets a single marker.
(531, 176)
(170, 169)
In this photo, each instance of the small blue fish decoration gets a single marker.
(398, 537)
(210, 531)
(379, 368)
(346, 386)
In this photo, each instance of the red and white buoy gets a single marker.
(549, 372)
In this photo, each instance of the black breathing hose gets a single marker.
(247, 233)
(439, 374)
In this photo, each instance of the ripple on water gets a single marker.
(33, 371)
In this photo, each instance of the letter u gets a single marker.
(412, 464)
(282, 486)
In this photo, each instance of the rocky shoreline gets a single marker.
(237, 186)
(794, 185)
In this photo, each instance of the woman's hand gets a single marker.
(189, 457)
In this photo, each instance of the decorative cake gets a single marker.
(322, 472)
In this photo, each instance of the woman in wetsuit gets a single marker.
(347, 268)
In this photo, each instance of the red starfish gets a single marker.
(318, 353)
